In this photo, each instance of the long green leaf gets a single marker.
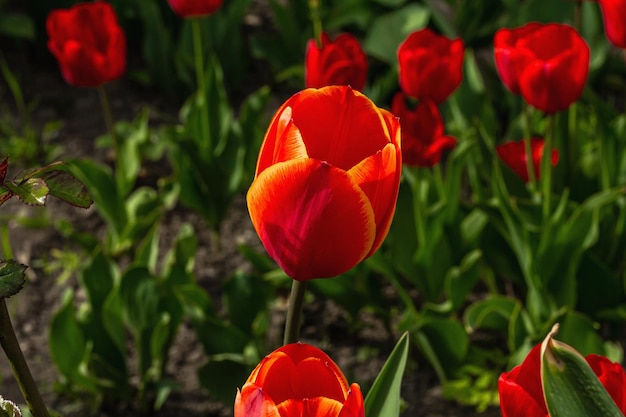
(383, 399)
(569, 384)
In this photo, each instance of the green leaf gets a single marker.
(9, 408)
(570, 386)
(222, 377)
(11, 278)
(32, 191)
(383, 399)
(68, 188)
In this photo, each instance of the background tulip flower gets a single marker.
(194, 8)
(326, 182)
(430, 65)
(338, 62)
(423, 139)
(298, 380)
(520, 389)
(513, 154)
(547, 64)
(88, 42)
(614, 15)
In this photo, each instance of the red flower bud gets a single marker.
(431, 65)
(614, 14)
(423, 139)
(194, 8)
(326, 182)
(298, 380)
(88, 42)
(514, 156)
(520, 389)
(338, 62)
(547, 64)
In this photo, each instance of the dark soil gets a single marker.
(33, 308)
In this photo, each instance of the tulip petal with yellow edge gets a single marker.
(251, 401)
(377, 177)
(339, 125)
(353, 405)
(284, 144)
(310, 407)
(313, 220)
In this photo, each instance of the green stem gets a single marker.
(294, 312)
(24, 378)
(314, 10)
(108, 118)
(419, 204)
(438, 177)
(546, 168)
(530, 165)
(201, 81)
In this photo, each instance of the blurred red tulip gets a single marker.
(431, 65)
(547, 64)
(326, 182)
(514, 155)
(520, 389)
(614, 14)
(88, 42)
(338, 62)
(423, 139)
(194, 8)
(298, 380)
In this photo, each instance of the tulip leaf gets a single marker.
(11, 278)
(569, 384)
(383, 399)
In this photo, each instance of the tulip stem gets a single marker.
(108, 117)
(530, 165)
(201, 84)
(294, 312)
(314, 10)
(546, 168)
(24, 378)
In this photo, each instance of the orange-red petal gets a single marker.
(251, 401)
(339, 125)
(353, 406)
(313, 220)
(310, 407)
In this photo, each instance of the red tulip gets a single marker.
(431, 65)
(520, 389)
(326, 182)
(614, 14)
(423, 139)
(88, 42)
(546, 63)
(514, 155)
(194, 8)
(338, 62)
(298, 380)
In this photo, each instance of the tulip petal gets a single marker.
(377, 178)
(310, 407)
(317, 378)
(339, 125)
(353, 406)
(251, 401)
(287, 144)
(311, 217)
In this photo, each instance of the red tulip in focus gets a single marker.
(546, 63)
(431, 65)
(298, 380)
(614, 14)
(338, 62)
(513, 154)
(326, 182)
(423, 139)
(520, 389)
(194, 8)
(88, 42)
